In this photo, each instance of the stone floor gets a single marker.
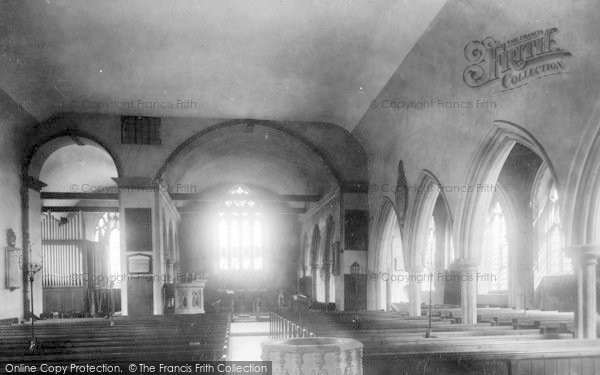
(245, 339)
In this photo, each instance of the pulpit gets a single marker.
(189, 297)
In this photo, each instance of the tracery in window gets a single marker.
(240, 232)
(107, 231)
(495, 257)
(550, 258)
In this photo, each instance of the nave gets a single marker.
(504, 341)
(332, 169)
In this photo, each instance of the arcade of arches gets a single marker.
(396, 210)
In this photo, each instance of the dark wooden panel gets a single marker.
(356, 229)
(355, 292)
(138, 228)
(562, 366)
(64, 299)
(139, 296)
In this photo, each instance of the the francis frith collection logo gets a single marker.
(516, 62)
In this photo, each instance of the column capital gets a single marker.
(414, 269)
(583, 253)
(33, 183)
(468, 264)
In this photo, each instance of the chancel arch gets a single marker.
(253, 151)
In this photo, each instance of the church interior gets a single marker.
(421, 177)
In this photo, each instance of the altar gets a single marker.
(189, 297)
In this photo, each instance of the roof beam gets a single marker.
(80, 196)
(276, 198)
(79, 209)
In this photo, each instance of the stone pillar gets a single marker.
(327, 281)
(32, 206)
(585, 261)
(591, 261)
(468, 295)
(315, 280)
(414, 292)
(388, 295)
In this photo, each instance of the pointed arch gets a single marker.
(384, 225)
(387, 258)
(427, 194)
(315, 247)
(484, 170)
(581, 213)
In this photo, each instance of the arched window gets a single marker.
(495, 259)
(549, 259)
(429, 257)
(240, 233)
(450, 253)
(107, 231)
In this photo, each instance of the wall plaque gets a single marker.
(12, 262)
(12, 269)
(139, 264)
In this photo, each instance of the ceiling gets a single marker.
(270, 59)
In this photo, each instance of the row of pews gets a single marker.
(159, 338)
(504, 341)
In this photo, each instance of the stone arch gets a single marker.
(387, 225)
(484, 170)
(180, 150)
(41, 150)
(581, 214)
(427, 194)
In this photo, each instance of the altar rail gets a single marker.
(281, 327)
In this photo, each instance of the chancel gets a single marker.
(333, 187)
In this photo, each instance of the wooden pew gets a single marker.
(198, 337)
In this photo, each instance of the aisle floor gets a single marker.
(245, 339)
